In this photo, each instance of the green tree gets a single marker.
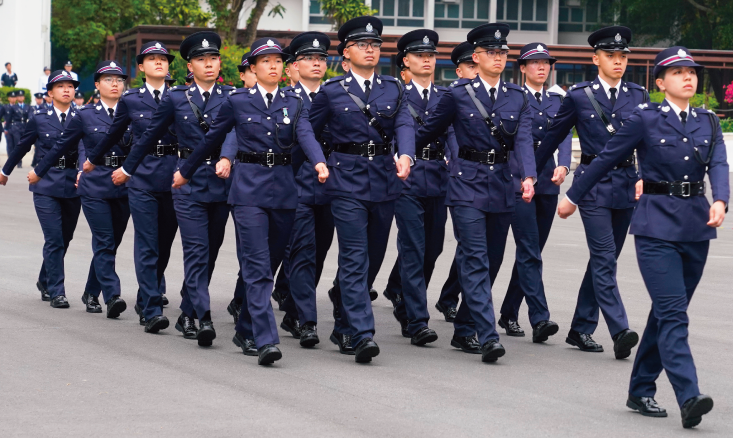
(228, 12)
(339, 12)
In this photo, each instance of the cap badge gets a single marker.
(497, 34)
(665, 109)
(682, 53)
(595, 86)
(540, 48)
(158, 46)
(369, 27)
(316, 43)
(112, 64)
(270, 43)
(617, 38)
(425, 39)
(205, 43)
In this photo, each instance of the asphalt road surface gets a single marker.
(69, 373)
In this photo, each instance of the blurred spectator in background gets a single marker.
(43, 80)
(9, 79)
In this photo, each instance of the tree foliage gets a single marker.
(341, 11)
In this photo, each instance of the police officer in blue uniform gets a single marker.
(200, 206)
(54, 196)
(149, 190)
(105, 205)
(78, 100)
(16, 118)
(672, 226)
(420, 210)
(271, 126)
(531, 222)
(365, 113)
(597, 109)
(492, 120)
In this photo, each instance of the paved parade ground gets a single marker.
(69, 373)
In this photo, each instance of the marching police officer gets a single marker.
(78, 100)
(420, 210)
(105, 205)
(673, 224)
(54, 196)
(365, 113)
(289, 71)
(271, 126)
(490, 118)
(531, 222)
(149, 190)
(597, 109)
(248, 77)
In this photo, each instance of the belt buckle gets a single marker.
(426, 153)
(491, 160)
(159, 150)
(62, 163)
(108, 161)
(270, 159)
(371, 149)
(686, 193)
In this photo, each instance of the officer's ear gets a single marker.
(522, 68)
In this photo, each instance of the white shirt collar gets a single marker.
(59, 112)
(677, 109)
(607, 87)
(361, 80)
(107, 107)
(307, 91)
(533, 91)
(201, 90)
(161, 89)
(263, 93)
(420, 88)
(488, 87)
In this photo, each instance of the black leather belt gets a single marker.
(628, 162)
(110, 161)
(184, 153)
(264, 158)
(364, 149)
(65, 163)
(675, 188)
(163, 150)
(430, 154)
(483, 157)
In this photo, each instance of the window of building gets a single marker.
(465, 14)
(523, 14)
(316, 14)
(575, 17)
(400, 12)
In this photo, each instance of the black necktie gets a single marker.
(538, 96)
(493, 95)
(425, 95)
(206, 97)
(63, 119)
(111, 113)
(613, 96)
(269, 99)
(312, 94)
(157, 95)
(683, 117)
(367, 90)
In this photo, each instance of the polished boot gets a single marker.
(584, 341)
(268, 354)
(393, 297)
(403, 324)
(646, 406)
(448, 312)
(366, 350)
(511, 327)
(623, 342)
(492, 350)
(187, 326)
(424, 336)
(308, 335)
(291, 325)
(92, 303)
(234, 309)
(468, 344)
(543, 330)
(45, 296)
(156, 324)
(60, 302)
(343, 341)
(247, 345)
(163, 300)
(693, 409)
(206, 334)
(115, 306)
(139, 312)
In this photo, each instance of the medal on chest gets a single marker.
(286, 119)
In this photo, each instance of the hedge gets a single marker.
(5, 90)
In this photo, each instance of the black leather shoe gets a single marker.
(336, 311)
(543, 330)
(623, 342)
(91, 303)
(403, 324)
(45, 296)
(511, 327)
(187, 326)
(234, 309)
(139, 312)
(247, 345)
(366, 350)
(163, 300)
(308, 335)
(343, 341)
(206, 334)
(373, 294)
(60, 302)
(424, 336)
(279, 297)
(291, 325)
(491, 351)
(393, 297)
(268, 354)
(156, 324)
(646, 406)
(448, 312)
(693, 409)
(115, 307)
(468, 344)
(583, 341)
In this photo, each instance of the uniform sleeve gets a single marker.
(451, 148)
(307, 139)
(565, 151)
(405, 130)
(69, 139)
(524, 145)
(162, 118)
(114, 134)
(619, 147)
(220, 128)
(438, 122)
(319, 113)
(718, 171)
(30, 135)
(558, 132)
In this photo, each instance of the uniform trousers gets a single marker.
(671, 272)
(451, 289)
(58, 218)
(156, 225)
(531, 223)
(263, 235)
(605, 232)
(107, 219)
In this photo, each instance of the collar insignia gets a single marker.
(99, 107)
(665, 109)
(192, 89)
(218, 91)
(379, 81)
(503, 89)
(73, 114)
(694, 114)
(50, 112)
(435, 89)
(409, 87)
(142, 90)
(476, 84)
(252, 91)
(596, 86)
(348, 79)
(204, 43)
(282, 94)
(626, 90)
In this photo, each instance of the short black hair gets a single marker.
(7, 64)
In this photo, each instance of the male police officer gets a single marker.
(531, 222)
(420, 210)
(672, 226)
(249, 79)
(490, 118)
(149, 190)
(365, 113)
(597, 109)
(20, 113)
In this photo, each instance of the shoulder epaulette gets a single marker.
(512, 86)
(333, 80)
(462, 81)
(649, 106)
(580, 85)
(633, 86)
(179, 88)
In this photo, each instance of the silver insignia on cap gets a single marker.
(682, 53)
(204, 43)
(369, 27)
(425, 39)
(617, 38)
(540, 48)
(497, 34)
(316, 43)
(270, 43)
(112, 64)
(158, 46)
